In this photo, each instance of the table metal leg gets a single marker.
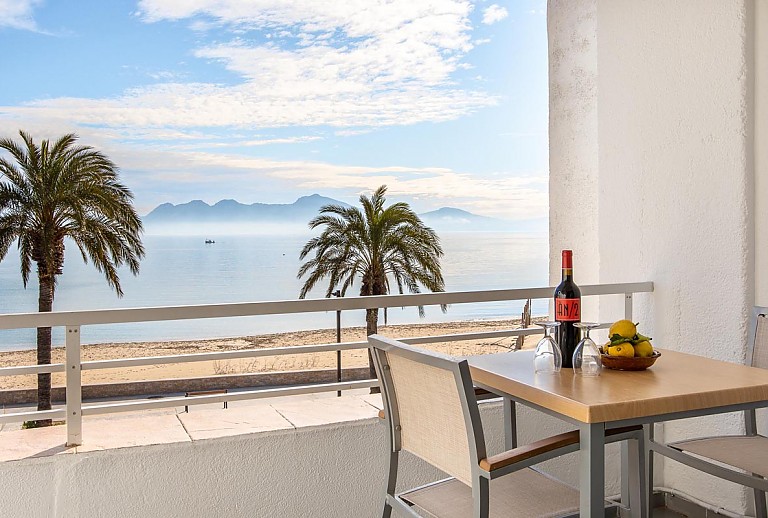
(510, 424)
(625, 470)
(592, 472)
(648, 472)
(633, 467)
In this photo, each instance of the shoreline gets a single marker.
(310, 361)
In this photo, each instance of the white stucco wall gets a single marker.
(573, 132)
(761, 152)
(760, 147)
(675, 185)
(331, 471)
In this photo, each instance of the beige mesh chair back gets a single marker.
(742, 459)
(436, 414)
(431, 412)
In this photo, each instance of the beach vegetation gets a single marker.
(52, 192)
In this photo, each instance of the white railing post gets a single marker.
(628, 306)
(74, 388)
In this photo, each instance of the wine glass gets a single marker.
(547, 358)
(586, 357)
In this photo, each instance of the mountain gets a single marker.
(231, 211)
(231, 216)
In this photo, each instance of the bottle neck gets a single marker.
(567, 265)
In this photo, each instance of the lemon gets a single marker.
(623, 328)
(643, 349)
(625, 350)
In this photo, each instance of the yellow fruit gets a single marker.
(643, 349)
(623, 328)
(625, 350)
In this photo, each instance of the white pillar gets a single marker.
(673, 192)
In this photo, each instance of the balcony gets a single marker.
(295, 451)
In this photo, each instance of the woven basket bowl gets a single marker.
(621, 363)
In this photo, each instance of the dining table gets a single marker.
(678, 386)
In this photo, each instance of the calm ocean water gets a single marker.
(246, 268)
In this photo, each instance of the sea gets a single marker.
(185, 270)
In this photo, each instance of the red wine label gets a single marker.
(567, 310)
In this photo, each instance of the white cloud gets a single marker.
(17, 14)
(215, 143)
(351, 64)
(494, 13)
(203, 105)
(354, 65)
(149, 169)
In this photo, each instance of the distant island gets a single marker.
(227, 214)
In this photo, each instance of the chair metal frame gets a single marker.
(758, 484)
(481, 478)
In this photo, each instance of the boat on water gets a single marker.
(209, 241)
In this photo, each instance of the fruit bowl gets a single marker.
(622, 363)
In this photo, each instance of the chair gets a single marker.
(747, 453)
(432, 412)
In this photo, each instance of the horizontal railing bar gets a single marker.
(275, 351)
(221, 355)
(482, 335)
(32, 416)
(220, 398)
(153, 314)
(32, 369)
(298, 349)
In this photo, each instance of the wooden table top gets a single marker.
(677, 382)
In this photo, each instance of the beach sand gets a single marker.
(324, 360)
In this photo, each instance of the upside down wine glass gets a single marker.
(586, 357)
(547, 358)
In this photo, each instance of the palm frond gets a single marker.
(378, 244)
(58, 190)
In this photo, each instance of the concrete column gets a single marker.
(573, 179)
(674, 188)
(761, 151)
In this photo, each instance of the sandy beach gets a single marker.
(355, 358)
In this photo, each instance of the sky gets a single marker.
(444, 101)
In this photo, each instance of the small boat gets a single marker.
(209, 241)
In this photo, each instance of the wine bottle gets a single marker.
(567, 310)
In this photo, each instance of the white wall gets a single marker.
(761, 152)
(760, 146)
(573, 132)
(334, 471)
(675, 185)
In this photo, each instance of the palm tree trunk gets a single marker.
(372, 327)
(45, 304)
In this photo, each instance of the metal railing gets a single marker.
(73, 321)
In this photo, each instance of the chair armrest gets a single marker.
(522, 453)
(549, 444)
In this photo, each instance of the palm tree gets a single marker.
(379, 245)
(59, 190)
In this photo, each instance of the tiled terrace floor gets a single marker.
(208, 421)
